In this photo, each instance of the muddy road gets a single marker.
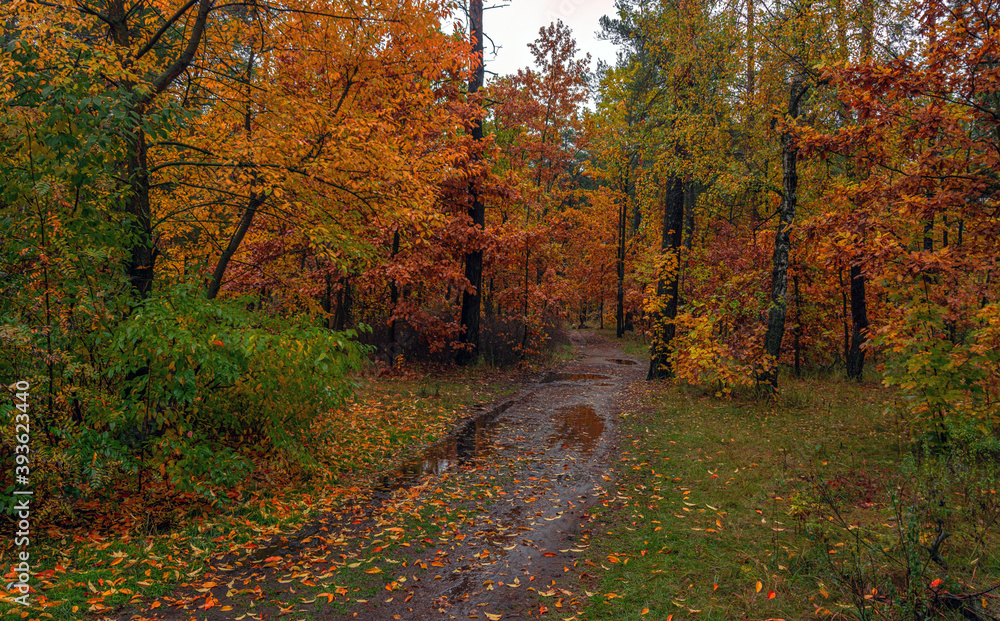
(508, 492)
(550, 448)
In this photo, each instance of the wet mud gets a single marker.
(557, 437)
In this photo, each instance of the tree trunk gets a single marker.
(142, 251)
(797, 331)
(664, 329)
(327, 303)
(393, 291)
(859, 306)
(488, 302)
(859, 319)
(751, 69)
(342, 318)
(843, 316)
(692, 191)
(620, 264)
(782, 240)
(256, 200)
(472, 301)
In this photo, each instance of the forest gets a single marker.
(254, 245)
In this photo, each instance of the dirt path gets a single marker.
(551, 450)
(520, 477)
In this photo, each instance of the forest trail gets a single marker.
(549, 451)
(513, 488)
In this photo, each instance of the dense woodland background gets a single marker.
(215, 214)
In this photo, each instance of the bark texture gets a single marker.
(472, 301)
(667, 287)
(859, 319)
(782, 240)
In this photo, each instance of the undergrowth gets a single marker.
(820, 504)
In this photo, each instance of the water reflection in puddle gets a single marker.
(577, 427)
(472, 442)
(571, 377)
(623, 361)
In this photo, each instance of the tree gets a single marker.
(782, 241)
(472, 301)
(539, 126)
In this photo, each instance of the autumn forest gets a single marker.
(254, 251)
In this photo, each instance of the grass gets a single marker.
(811, 506)
(634, 344)
(92, 568)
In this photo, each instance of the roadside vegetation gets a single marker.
(823, 503)
(96, 556)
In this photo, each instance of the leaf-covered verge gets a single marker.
(123, 548)
(818, 505)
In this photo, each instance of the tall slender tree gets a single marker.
(472, 299)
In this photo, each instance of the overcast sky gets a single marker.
(514, 26)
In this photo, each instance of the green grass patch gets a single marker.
(814, 505)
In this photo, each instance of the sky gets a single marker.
(514, 26)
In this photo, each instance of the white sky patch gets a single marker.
(511, 28)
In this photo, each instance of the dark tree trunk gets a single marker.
(843, 316)
(859, 319)
(527, 307)
(256, 200)
(472, 301)
(328, 301)
(667, 285)
(342, 318)
(142, 252)
(488, 309)
(393, 291)
(859, 304)
(797, 331)
(636, 217)
(141, 259)
(620, 265)
(782, 240)
(692, 191)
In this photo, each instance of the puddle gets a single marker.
(472, 440)
(577, 427)
(623, 361)
(570, 377)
